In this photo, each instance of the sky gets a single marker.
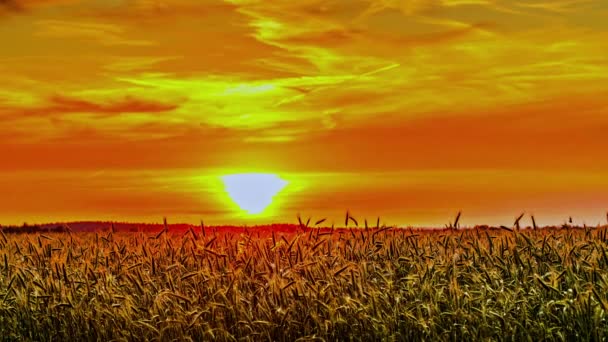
(412, 110)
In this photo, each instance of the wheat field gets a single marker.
(305, 285)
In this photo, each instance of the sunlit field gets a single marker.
(297, 284)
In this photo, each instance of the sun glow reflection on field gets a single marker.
(253, 192)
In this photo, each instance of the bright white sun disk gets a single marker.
(253, 192)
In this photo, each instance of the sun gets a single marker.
(253, 192)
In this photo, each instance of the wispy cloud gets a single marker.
(61, 105)
(66, 117)
(105, 34)
(556, 6)
(25, 6)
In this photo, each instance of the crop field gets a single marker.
(307, 284)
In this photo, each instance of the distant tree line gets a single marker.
(25, 229)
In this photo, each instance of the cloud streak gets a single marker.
(62, 105)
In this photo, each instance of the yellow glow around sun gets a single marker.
(253, 192)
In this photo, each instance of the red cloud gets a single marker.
(59, 104)
(22, 5)
(127, 105)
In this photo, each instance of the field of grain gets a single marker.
(310, 284)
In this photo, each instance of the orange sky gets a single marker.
(410, 110)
